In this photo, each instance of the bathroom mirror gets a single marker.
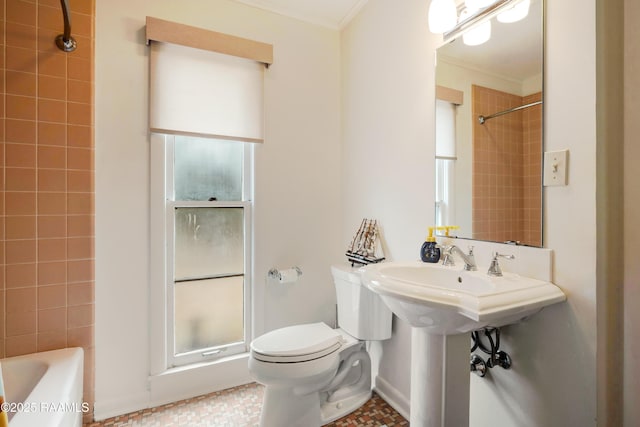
(489, 175)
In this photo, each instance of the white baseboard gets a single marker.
(121, 405)
(392, 396)
(178, 384)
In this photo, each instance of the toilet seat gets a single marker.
(299, 343)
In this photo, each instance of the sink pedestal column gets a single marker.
(439, 379)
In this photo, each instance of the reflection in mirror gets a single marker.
(488, 171)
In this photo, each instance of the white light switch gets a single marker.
(555, 167)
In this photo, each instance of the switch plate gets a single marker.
(555, 168)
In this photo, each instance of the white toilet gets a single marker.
(315, 374)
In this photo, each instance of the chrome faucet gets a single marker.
(469, 259)
(494, 267)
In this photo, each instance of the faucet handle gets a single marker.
(494, 267)
(496, 255)
(471, 250)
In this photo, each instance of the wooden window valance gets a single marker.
(453, 96)
(199, 38)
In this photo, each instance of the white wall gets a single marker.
(297, 215)
(388, 81)
(388, 152)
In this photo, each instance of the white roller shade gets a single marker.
(445, 129)
(195, 91)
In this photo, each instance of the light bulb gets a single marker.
(478, 34)
(442, 16)
(515, 13)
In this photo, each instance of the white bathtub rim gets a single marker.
(64, 374)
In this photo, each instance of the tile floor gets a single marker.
(240, 406)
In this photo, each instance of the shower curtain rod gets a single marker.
(483, 119)
(64, 41)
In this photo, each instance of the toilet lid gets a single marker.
(297, 343)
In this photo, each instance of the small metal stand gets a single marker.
(276, 274)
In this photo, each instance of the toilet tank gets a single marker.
(361, 312)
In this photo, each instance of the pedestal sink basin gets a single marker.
(443, 304)
(449, 300)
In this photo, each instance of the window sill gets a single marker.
(201, 365)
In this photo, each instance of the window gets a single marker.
(208, 235)
(445, 162)
(206, 103)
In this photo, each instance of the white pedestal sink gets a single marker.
(444, 304)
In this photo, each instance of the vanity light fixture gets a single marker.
(478, 34)
(515, 13)
(442, 16)
(440, 12)
(477, 4)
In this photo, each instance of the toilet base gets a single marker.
(331, 411)
(304, 410)
(342, 393)
(282, 407)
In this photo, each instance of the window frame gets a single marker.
(163, 209)
(445, 184)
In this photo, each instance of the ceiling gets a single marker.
(496, 55)
(334, 14)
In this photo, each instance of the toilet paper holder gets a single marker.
(281, 275)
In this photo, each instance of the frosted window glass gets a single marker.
(445, 197)
(208, 313)
(206, 168)
(208, 242)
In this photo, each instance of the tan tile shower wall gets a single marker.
(505, 180)
(532, 122)
(46, 181)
